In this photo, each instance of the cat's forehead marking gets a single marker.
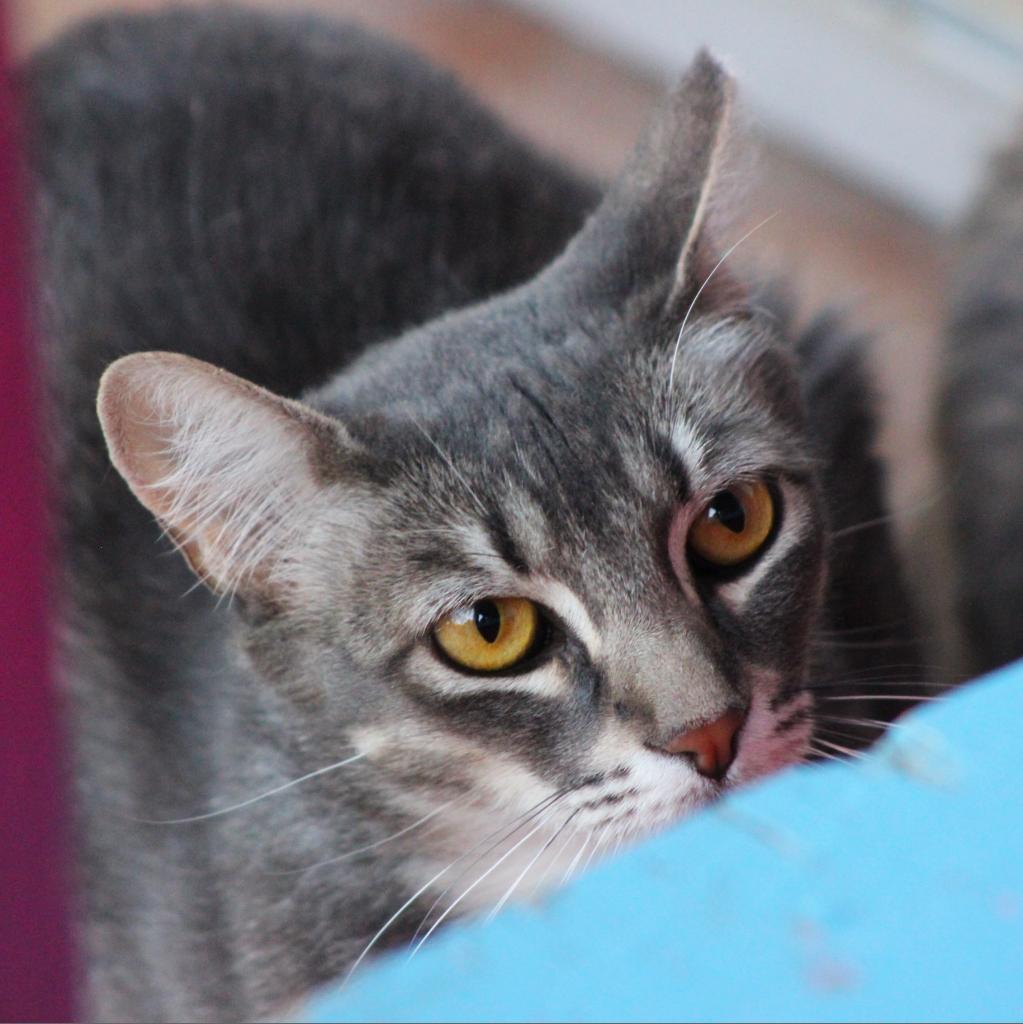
(545, 590)
(476, 542)
(531, 528)
(567, 605)
(687, 444)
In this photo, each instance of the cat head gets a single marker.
(555, 557)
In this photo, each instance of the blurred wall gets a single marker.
(906, 96)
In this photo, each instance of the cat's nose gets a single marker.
(711, 747)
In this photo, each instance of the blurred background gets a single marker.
(868, 124)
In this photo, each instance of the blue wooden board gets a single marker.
(887, 889)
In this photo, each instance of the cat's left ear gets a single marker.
(233, 472)
(649, 225)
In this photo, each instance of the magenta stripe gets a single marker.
(35, 947)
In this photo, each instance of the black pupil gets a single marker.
(727, 510)
(487, 619)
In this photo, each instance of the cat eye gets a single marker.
(733, 526)
(491, 635)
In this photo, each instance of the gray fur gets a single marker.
(980, 418)
(281, 215)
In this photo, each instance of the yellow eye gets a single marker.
(489, 635)
(734, 525)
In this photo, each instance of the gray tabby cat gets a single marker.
(980, 418)
(562, 562)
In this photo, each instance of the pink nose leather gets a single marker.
(712, 746)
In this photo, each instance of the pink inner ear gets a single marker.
(224, 465)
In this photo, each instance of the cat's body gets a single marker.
(980, 419)
(277, 216)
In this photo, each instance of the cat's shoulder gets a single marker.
(137, 60)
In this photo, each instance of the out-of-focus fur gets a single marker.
(980, 418)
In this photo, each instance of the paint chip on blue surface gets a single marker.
(923, 753)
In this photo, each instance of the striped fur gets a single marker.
(562, 393)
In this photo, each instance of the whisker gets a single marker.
(618, 845)
(696, 298)
(575, 860)
(251, 800)
(918, 668)
(372, 846)
(440, 874)
(876, 723)
(506, 833)
(866, 680)
(593, 852)
(848, 751)
(546, 846)
(553, 861)
(884, 696)
(493, 867)
(857, 645)
(910, 510)
(830, 730)
(826, 756)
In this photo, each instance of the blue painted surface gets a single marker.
(890, 889)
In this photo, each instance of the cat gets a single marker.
(979, 418)
(513, 525)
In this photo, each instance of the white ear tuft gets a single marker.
(229, 469)
(707, 93)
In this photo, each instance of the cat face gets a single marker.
(549, 566)
(579, 490)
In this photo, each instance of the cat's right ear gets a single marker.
(231, 471)
(649, 225)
